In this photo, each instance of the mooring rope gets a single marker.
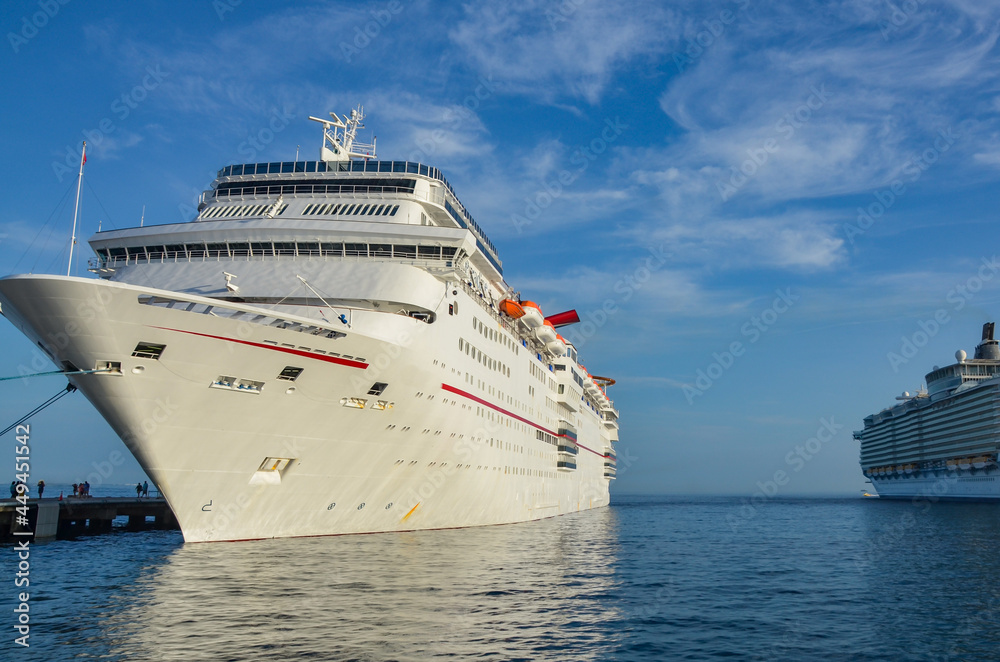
(51, 401)
(54, 372)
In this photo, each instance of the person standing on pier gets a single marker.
(41, 488)
(138, 490)
(145, 488)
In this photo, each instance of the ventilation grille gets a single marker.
(240, 211)
(350, 210)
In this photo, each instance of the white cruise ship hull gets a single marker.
(241, 454)
(981, 485)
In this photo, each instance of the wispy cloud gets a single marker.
(558, 51)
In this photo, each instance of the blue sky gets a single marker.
(754, 208)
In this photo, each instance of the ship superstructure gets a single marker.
(330, 347)
(941, 442)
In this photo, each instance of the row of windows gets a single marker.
(493, 334)
(277, 248)
(492, 364)
(291, 189)
(322, 166)
(350, 210)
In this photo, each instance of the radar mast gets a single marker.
(339, 135)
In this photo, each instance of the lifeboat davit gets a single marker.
(546, 333)
(532, 314)
(511, 308)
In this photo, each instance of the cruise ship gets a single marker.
(940, 442)
(329, 347)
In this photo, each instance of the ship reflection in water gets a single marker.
(528, 591)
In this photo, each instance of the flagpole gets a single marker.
(76, 209)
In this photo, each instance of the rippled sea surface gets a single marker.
(646, 579)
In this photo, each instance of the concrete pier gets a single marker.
(76, 516)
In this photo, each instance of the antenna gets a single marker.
(76, 209)
(143, 217)
(339, 137)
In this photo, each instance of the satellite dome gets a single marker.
(960, 355)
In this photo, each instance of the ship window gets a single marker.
(217, 250)
(381, 250)
(261, 248)
(377, 388)
(290, 374)
(136, 250)
(429, 252)
(118, 251)
(405, 251)
(148, 350)
(240, 249)
(333, 249)
(310, 166)
(411, 167)
(309, 249)
(196, 250)
(284, 248)
(448, 251)
(356, 250)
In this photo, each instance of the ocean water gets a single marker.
(646, 579)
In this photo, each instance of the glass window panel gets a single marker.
(429, 252)
(409, 252)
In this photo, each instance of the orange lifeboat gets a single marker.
(532, 314)
(511, 308)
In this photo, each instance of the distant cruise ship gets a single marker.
(330, 347)
(941, 443)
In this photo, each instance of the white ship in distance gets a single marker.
(329, 347)
(940, 443)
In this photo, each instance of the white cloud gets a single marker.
(556, 50)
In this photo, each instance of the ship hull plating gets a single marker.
(242, 452)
